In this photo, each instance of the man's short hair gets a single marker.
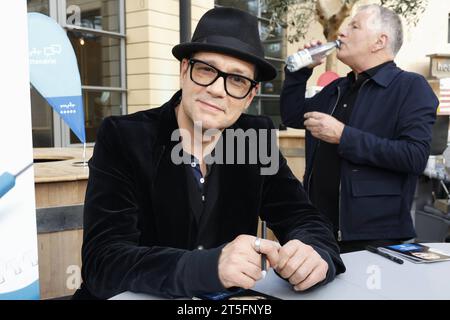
(389, 22)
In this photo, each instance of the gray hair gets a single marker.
(390, 23)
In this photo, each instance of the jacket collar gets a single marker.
(168, 120)
(383, 77)
(386, 74)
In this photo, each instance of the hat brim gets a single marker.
(266, 71)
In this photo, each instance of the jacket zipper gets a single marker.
(318, 144)
(339, 233)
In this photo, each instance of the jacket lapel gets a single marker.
(169, 182)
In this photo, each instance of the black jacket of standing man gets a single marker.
(368, 134)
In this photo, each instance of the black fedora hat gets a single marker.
(230, 31)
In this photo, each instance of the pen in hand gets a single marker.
(263, 256)
(384, 254)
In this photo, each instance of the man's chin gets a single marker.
(342, 58)
(209, 124)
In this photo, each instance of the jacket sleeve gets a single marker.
(113, 259)
(293, 104)
(408, 152)
(290, 215)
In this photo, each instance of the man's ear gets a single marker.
(255, 90)
(184, 66)
(251, 95)
(381, 42)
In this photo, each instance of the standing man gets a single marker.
(156, 225)
(368, 134)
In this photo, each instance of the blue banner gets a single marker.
(54, 70)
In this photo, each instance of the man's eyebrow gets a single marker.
(234, 70)
(238, 71)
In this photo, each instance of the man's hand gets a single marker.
(301, 265)
(324, 127)
(240, 263)
(309, 45)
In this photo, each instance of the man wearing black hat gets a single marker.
(158, 225)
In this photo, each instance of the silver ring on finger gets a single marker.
(258, 245)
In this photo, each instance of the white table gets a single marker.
(368, 277)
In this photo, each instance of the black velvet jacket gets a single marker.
(139, 230)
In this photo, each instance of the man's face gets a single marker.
(211, 105)
(358, 38)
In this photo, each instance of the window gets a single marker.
(41, 6)
(96, 30)
(41, 112)
(267, 100)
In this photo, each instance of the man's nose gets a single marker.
(342, 33)
(217, 88)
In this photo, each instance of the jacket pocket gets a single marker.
(373, 188)
(375, 204)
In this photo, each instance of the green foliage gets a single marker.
(297, 15)
(411, 10)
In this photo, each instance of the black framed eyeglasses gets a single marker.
(204, 74)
